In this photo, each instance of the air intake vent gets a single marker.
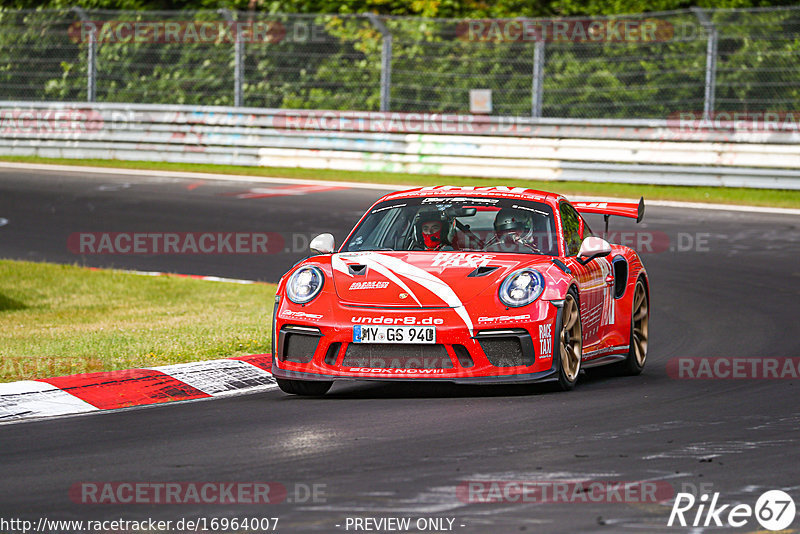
(483, 271)
(299, 348)
(464, 359)
(357, 270)
(333, 353)
(505, 352)
(620, 276)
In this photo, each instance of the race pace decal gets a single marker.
(449, 259)
(546, 340)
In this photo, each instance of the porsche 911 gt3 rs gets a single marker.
(488, 285)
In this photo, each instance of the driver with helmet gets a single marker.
(433, 230)
(513, 232)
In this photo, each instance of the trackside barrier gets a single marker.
(624, 151)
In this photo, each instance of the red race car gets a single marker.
(487, 285)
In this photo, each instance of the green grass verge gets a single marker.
(718, 195)
(61, 319)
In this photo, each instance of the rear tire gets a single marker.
(306, 388)
(640, 331)
(570, 343)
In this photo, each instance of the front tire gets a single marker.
(570, 343)
(306, 388)
(640, 331)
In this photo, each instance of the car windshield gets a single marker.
(463, 223)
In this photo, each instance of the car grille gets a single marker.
(380, 356)
(505, 352)
(299, 348)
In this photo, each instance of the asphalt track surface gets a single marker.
(388, 450)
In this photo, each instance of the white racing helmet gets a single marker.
(512, 220)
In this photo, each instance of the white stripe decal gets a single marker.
(370, 262)
(390, 266)
(435, 285)
(338, 264)
(613, 312)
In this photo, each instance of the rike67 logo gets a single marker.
(774, 510)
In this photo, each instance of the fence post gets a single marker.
(538, 79)
(386, 60)
(711, 62)
(91, 58)
(238, 59)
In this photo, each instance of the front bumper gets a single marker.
(518, 349)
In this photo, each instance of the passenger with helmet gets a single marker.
(433, 230)
(513, 232)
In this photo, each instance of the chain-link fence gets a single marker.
(645, 66)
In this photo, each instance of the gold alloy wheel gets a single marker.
(641, 318)
(571, 339)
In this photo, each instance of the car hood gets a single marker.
(418, 279)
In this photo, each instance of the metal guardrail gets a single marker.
(638, 151)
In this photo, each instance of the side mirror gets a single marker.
(322, 244)
(591, 248)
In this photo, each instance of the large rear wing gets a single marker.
(607, 209)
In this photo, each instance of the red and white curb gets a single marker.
(94, 392)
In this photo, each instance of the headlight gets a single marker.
(305, 284)
(522, 287)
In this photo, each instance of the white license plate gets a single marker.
(394, 334)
